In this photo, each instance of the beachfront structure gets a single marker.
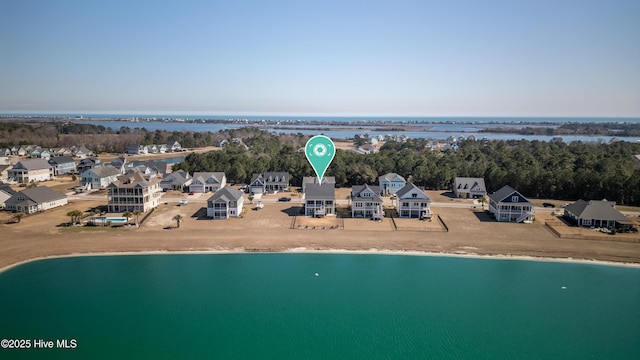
(596, 213)
(99, 177)
(366, 202)
(412, 202)
(320, 199)
(507, 204)
(88, 163)
(31, 170)
(203, 182)
(5, 193)
(390, 183)
(225, 203)
(269, 182)
(177, 180)
(173, 146)
(314, 180)
(62, 165)
(39, 198)
(467, 187)
(136, 149)
(133, 192)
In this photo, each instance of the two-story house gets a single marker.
(99, 177)
(203, 182)
(62, 165)
(466, 187)
(320, 199)
(5, 193)
(412, 202)
(225, 203)
(507, 204)
(31, 170)
(177, 180)
(314, 180)
(366, 202)
(39, 198)
(269, 182)
(133, 192)
(390, 183)
(88, 163)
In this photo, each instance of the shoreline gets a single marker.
(304, 250)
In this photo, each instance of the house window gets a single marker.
(586, 222)
(405, 204)
(415, 196)
(514, 199)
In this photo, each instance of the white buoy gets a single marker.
(564, 288)
(317, 274)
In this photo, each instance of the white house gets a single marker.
(507, 204)
(390, 183)
(320, 199)
(366, 202)
(225, 203)
(31, 170)
(5, 193)
(269, 181)
(39, 198)
(466, 187)
(99, 177)
(412, 202)
(207, 181)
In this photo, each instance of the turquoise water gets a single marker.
(273, 306)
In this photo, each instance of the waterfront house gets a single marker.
(507, 204)
(320, 199)
(133, 192)
(173, 146)
(5, 152)
(31, 170)
(177, 180)
(366, 202)
(159, 167)
(99, 177)
(468, 187)
(390, 183)
(596, 213)
(5, 193)
(225, 203)
(412, 202)
(314, 180)
(269, 182)
(136, 149)
(203, 182)
(62, 165)
(39, 198)
(88, 163)
(20, 151)
(40, 153)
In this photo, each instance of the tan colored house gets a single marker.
(31, 170)
(133, 192)
(39, 198)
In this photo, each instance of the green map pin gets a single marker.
(320, 152)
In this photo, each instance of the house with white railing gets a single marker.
(225, 203)
(412, 202)
(366, 202)
(507, 204)
(320, 199)
(133, 192)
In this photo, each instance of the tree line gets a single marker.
(537, 169)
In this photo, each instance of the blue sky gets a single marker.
(387, 58)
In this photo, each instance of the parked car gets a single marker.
(183, 202)
(284, 198)
(547, 204)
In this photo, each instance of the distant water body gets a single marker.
(321, 306)
(435, 127)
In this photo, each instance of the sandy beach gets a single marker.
(470, 233)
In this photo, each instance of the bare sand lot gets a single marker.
(470, 231)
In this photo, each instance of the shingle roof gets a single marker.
(203, 176)
(390, 177)
(105, 171)
(320, 192)
(408, 188)
(596, 209)
(176, 178)
(6, 188)
(505, 192)
(33, 164)
(468, 183)
(226, 194)
(133, 180)
(357, 190)
(41, 194)
(61, 160)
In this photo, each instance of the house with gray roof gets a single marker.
(507, 204)
(412, 202)
(99, 177)
(88, 163)
(314, 180)
(133, 192)
(596, 213)
(390, 183)
(62, 165)
(225, 203)
(468, 187)
(35, 199)
(269, 182)
(177, 180)
(203, 182)
(366, 202)
(31, 170)
(320, 199)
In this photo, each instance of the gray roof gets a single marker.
(203, 176)
(105, 171)
(33, 164)
(6, 188)
(408, 188)
(226, 194)
(390, 177)
(61, 160)
(596, 209)
(357, 190)
(176, 178)
(468, 183)
(278, 175)
(320, 192)
(314, 180)
(37, 195)
(133, 180)
(505, 193)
